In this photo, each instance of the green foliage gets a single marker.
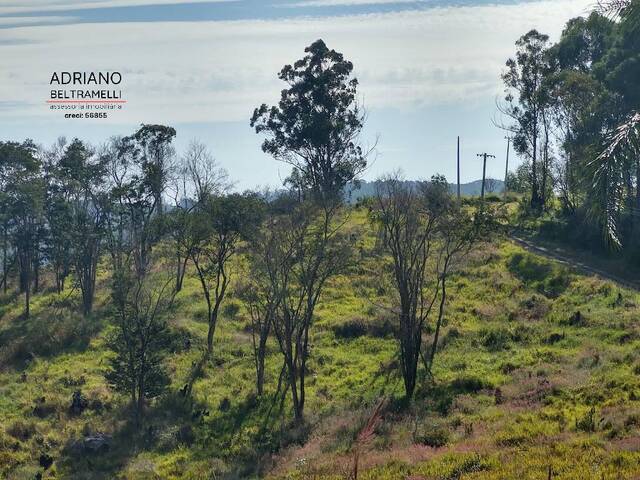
(433, 435)
(322, 146)
(549, 279)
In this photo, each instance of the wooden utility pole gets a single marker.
(484, 169)
(506, 168)
(458, 168)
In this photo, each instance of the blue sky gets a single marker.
(429, 71)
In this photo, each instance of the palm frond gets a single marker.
(612, 8)
(608, 177)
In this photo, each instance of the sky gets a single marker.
(428, 71)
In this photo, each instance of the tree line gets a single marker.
(572, 110)
(135, 209)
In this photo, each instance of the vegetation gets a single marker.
(572, 112)
(155, 324)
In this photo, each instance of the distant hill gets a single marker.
(368, 189)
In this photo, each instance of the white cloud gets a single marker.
(16, 21)
(62, 5)
(332, 3)
(219, 71)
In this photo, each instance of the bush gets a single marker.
(352, 328)
(230, 310)
(548, 279)
(469, 385)
(359, 327)
(495, 340)
(22, 430)
(554, 338)
(587, 422)
(433, 435)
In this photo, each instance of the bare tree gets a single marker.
(409, 230)
(261, 293)
(197, 179)
(216, 229)
(306, 248)
(424, 231)
(491, 184)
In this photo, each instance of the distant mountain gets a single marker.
(471, 189)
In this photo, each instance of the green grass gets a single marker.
(521, 383)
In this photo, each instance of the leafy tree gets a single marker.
(520, 180)
(315, 128)
(58, 215)
(152, 147)
(316, 125)
(140, 340)
(23, 197)
(82, 175)
(584, 42)
(139, 169)
(526, 105)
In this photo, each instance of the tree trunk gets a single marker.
(4, 260)
(408, 357)
(140, 402)
(436, 336)
(27, 289)
(180, 271)
(298, 412)
(260, 357)
(213, 319)
(36, 274)
(638, 183)
(535, 194)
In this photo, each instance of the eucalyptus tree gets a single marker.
(316, 125)
(152, 145)
(82, 176)
(139, 167)
(526, 103)
(23, 194)
(58, 215)
(315, 128)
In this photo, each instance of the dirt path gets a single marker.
(566, 258)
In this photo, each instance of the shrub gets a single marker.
(378, 327)
(576, 319)
(553, 338)
(469, 384)
(231, 310)
(433, 435)
(632, 420)
(587, 422)
(495, 340)
(550, 280)
(352, 328)
(22, 430)
(508, 367)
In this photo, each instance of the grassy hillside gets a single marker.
(538, 368)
